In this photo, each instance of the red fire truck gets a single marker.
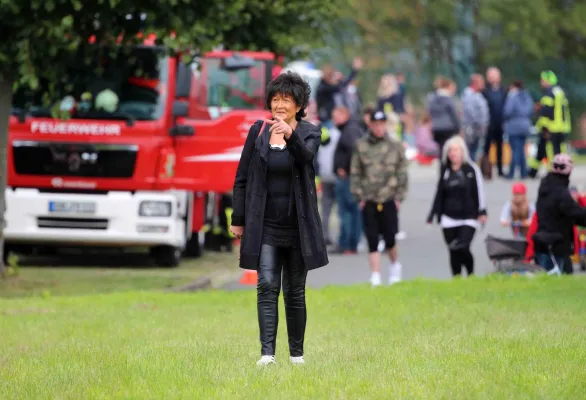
(133, 142)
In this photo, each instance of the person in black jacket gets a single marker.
(557, 213)
(348, 208)
(275, 212)
(459, 203)
(330, 86)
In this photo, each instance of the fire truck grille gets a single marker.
(72, 223)
(74, 159)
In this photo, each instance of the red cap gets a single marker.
(519, 188)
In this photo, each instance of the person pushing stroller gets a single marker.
(557, 213)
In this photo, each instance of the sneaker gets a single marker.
(375, 279)
(297, 360)
(266, 360)
(401, 235)
(395, 272)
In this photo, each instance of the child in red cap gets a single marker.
(518, 212)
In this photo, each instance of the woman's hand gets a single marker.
(237, 231)
(482, 219)
(280, 127)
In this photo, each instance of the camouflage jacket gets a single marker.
(379, 170)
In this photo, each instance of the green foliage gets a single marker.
(38, 34)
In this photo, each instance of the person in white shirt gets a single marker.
(518, 212)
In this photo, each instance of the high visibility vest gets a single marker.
(325, 134)
(561, 121)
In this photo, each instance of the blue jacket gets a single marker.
(517, 113)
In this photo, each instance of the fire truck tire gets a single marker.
(166, 256)
(193, 247)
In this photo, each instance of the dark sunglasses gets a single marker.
(559, 166)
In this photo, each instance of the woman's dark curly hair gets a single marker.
(290, 84)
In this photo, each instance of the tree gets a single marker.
(37, 35)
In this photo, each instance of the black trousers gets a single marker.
(495, 135)
(289, 262)
(380, 220)
(459, 240)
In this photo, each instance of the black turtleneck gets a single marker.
(280, 219)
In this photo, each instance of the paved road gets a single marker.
(423, 252)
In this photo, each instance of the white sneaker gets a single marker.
(401, 235)
(395, 272)
(266, 360)
(375, 279)
(297, 360)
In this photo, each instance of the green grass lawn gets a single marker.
(113, 273)
(491, 338)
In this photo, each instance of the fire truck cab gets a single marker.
(121, 151)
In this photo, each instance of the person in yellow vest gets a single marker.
(553, 122)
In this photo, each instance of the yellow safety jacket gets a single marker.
(554, 114)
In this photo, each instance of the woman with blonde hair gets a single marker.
(459, 204)
(389, 101)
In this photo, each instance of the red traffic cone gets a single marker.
(250, 277)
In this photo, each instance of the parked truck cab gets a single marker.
(121, 151)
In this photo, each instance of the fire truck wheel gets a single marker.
(193, 247)
(166, 256)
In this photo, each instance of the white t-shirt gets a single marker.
(506, 212)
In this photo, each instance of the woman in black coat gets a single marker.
(275, 212)
(459, 203)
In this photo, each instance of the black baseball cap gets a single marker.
(378, 115)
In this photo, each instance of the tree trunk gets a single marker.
(5, 107)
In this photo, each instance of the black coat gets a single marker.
(350, 132)
(250, 194)
(472, 204)
(557, 213)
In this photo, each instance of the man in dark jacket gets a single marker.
(329, 87)
(557, 213)
(495, 96)
(348, 210)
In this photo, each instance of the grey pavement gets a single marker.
(423, 253)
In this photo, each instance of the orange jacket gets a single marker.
(529, 253)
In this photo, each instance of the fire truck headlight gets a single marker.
(149, 208)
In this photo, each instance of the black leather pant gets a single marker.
(273, 260)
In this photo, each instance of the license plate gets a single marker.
(72, 207)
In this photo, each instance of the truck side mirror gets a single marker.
(182, 130)
(180, 108)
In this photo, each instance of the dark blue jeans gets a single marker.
(350, 218)
(473, 148)
(517, 144)
(544, 260)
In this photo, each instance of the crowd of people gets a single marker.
(458, 130)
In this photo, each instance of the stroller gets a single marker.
(507, 256)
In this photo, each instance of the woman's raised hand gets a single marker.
(280, 127)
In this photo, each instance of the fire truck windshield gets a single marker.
(127, 83)
(242, 88)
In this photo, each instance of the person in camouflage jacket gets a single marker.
(379, 180)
